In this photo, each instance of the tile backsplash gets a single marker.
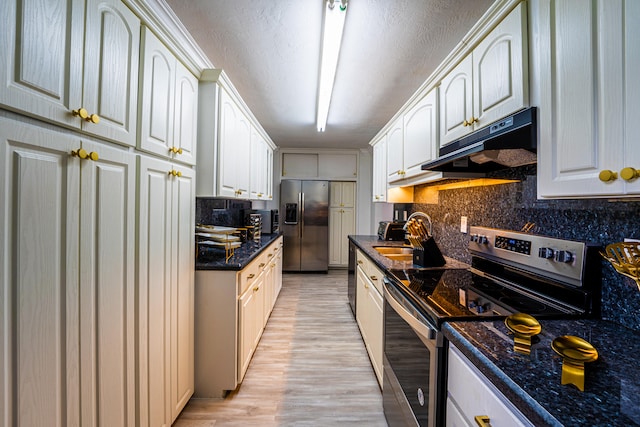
(511, 206)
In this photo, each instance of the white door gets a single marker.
(111, 56)
(380, 170)
(456, 102)
(158, 92)
(42, 51)
(395, 156)
(185, 130)
(182, 292)
(420, 135)
(227, 167)
(154, 281)
(500, 64)
(107, 286)
(39, 277)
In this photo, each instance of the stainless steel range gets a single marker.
(511, 272)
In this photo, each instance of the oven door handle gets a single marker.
(424, 330)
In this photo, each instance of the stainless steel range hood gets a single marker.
(510, 142)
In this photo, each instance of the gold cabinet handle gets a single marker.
(374, 278)
(262, 264)
(256, 289)
(366, 286)
(607, 175)
(466, 123)
(259, 194)
(84, 115)
(483, 420)
(629, 174)
(473, 120)
(175, 150)
(175, 173)
(377, 197)
(82, 153)
(269, 255)
(251, 276)
(94, 118)
(360, 262)
(81, 112)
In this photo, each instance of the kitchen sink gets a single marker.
(396, 253)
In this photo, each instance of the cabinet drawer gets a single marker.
(472, 394)
(369, 268)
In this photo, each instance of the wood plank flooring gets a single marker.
(310, 368)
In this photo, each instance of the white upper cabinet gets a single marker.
(169, 103)
(589, 98)
(420, 135)
(380, 170)
(235, 154)
(413, 140)
(490, 83)
(84, 76)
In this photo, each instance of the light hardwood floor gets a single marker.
(310, 368)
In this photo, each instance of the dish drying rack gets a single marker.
(217, 237)
(419, 229)
(625, 259)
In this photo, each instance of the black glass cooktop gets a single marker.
(464, 295)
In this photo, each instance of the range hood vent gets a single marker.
(510, 142)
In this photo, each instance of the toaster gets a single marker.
(390, 230)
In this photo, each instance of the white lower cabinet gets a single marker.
(369, 310)
(67, 326)
(165, 290)
(470, 394)
(232, 309)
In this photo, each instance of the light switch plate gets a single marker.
(463, 224)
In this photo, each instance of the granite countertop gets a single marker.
(213, 259)
(532, 383)
(367, 243)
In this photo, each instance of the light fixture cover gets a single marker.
(334, 17)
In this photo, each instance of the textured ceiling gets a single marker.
(271, 52)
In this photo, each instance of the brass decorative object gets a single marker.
(625, 258)
(575, 353)
(523, 326)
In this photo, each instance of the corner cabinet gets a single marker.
(470, 394)
(228, 138)
(589, 98)
(370, 310)
(67, 279)
(232, 309)
(489, 83)
(165, 289)
(168, 124)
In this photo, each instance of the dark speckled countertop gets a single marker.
(367, 243)
(213, 259)
(532, 383)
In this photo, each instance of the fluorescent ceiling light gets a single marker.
(334, 15)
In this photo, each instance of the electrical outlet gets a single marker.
(463, 224)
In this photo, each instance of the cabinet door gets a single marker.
(107, 286)
(348, 227)
(349, 194)
(500, 63)
(258, 169)
(588, 97)
(420, 135)
(240, 155)
(376, 329)
(235, 144)
(158, 91)
(39, 277)
(456, 102)
(395, 156)
(42, 50)
(250, 318)
(380, 170)
(154, 280)
(111, 56)
(182, 288)
(185, 123)
(335, 234)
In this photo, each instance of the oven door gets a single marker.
(414, 371)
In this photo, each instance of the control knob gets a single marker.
(474, 237)
(563, 256)
(547, 253)
(483, 308)
(483, 240)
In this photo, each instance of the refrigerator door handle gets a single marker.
(301, 204)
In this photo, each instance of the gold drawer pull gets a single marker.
(607, 175)
(262, 264)
(251, 276)
(374, 278)
(629, 174)
(256, 289)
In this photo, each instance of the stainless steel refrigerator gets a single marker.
(304, 216)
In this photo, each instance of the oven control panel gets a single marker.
(555, 258)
